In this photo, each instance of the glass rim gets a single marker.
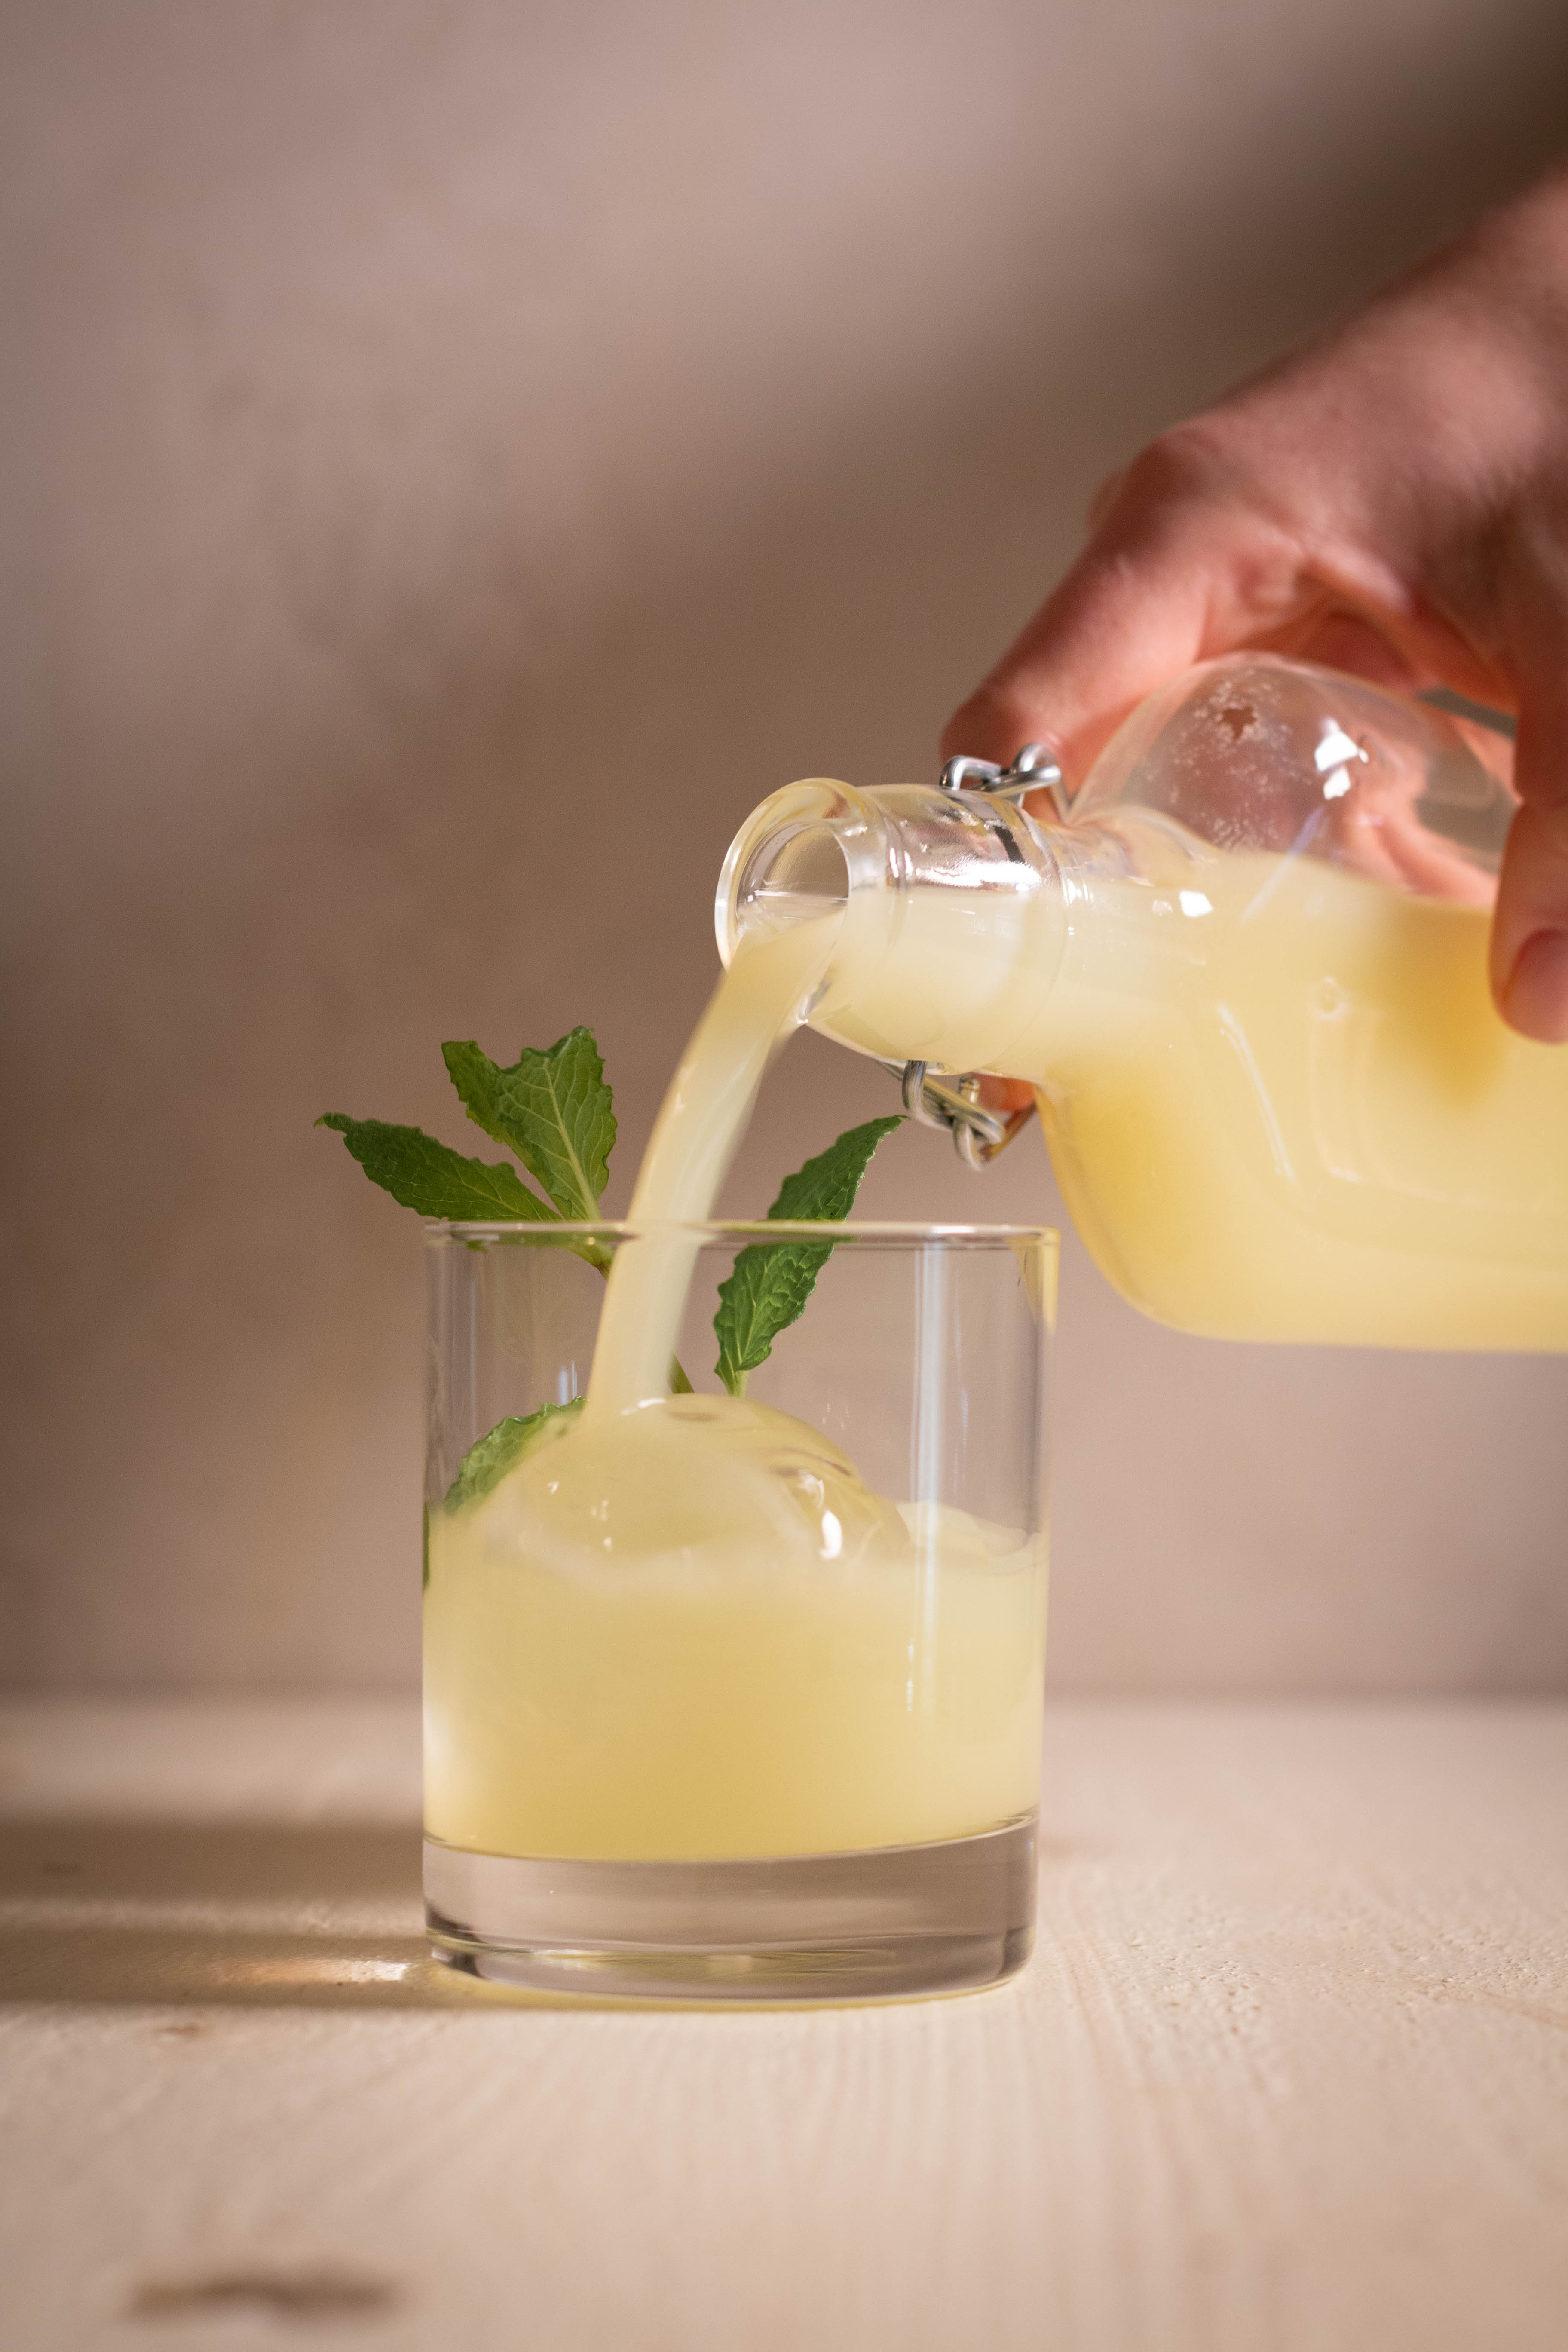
(911, 1231)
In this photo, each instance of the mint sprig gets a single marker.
(769, 1284)
(553, 1109)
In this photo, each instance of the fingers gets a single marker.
(1168, 579)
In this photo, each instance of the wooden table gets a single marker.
(1289, 2071)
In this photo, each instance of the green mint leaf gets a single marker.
(553, 1108)
(826, 1186)
(770, 1283)
(488, 1459)
(764, 1292)
(432, 1179)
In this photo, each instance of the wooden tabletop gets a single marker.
(1289, 2071)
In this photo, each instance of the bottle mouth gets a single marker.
(820, 852)
(796, 859)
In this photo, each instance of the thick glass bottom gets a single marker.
(945, 1918)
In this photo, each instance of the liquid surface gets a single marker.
(1280, 1102)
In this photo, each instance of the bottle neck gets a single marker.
(950, 911)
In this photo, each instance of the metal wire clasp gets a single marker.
(1032, 770)
(978, 1134)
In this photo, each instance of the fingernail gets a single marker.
(1536, 997)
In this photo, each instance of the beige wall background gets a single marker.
(456, 457)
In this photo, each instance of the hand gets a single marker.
(1392, 499)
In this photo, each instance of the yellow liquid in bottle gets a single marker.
(683, 1626)
(1280, 1102)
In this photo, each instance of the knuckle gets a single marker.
(1192, 461)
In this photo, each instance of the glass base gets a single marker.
(945, 1918)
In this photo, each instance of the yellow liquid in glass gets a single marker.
(695, 1632)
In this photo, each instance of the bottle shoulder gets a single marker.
(1258, 753)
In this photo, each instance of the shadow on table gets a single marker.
(70, 1890)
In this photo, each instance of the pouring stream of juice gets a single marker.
(757, 1005)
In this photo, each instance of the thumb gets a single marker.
(1530, 928)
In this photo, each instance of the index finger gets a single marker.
(1151, 593)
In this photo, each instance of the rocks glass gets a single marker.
(762, 1723)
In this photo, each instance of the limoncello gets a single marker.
(1247, 974)
(691, 1631)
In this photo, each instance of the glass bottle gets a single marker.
(1246, 972)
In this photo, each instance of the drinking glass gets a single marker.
(773, 1734)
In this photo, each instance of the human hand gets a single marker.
(1392, 499)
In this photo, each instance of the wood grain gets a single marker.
(1289, 2072)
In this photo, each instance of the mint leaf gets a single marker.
(770, 1282)
(432, 1179)
(826, 1186)
(553, 1108)
(765, 1292)
(488, 1459)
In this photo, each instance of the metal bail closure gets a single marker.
(1032, 770)
(978, 1134)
